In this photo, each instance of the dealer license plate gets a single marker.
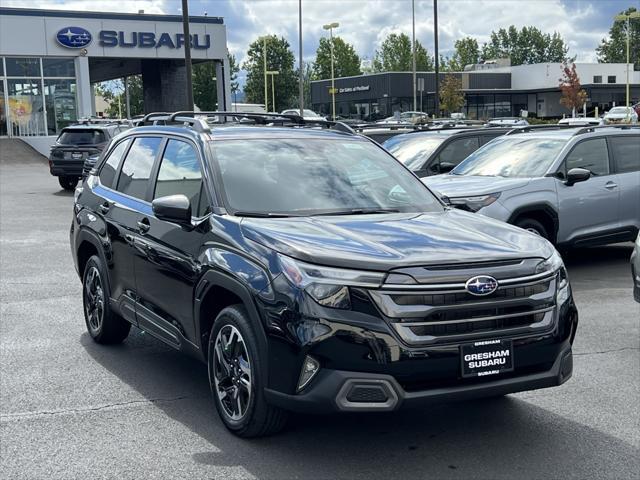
(486, 357)
(76, 155)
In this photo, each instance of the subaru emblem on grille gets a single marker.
(481, 285)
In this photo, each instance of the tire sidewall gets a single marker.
(528, 223)
(68, 183)
(94, 261)
(237, 317)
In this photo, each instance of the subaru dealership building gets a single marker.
(50, 60)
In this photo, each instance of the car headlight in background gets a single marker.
(475, 203)
(327, 285)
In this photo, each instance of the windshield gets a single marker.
(512, 157)
(619, 110)
(413, 150)
(81, 137)
(307, 177)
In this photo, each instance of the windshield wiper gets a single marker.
(261, 214)
(358, 211)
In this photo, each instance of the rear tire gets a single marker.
(235, 358)
(68, 183)
(533, 226)
(103, 324)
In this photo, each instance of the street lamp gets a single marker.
(264, 57)
(330, 27)
(622, 18)
(273, 73)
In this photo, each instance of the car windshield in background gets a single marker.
(81, 137)
(512, 157)
(413, 150)
(316, 177)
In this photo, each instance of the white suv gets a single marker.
(573, 186)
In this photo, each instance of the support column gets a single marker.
(83, 87)
(223, 84)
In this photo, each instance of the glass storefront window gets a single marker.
(60, 100)
(26, 106)
(58, 67)
(503, 105)
(3, 110)
(23, 67)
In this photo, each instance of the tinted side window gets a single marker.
(626, 152)
(458, 150)
(110, 167)
(134, 177)
(591, 155)
(180, 174)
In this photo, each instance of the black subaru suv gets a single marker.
(312, 272)
(75, 145)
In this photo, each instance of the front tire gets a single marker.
(103, 324)
(68, 183)
(235, 358)
(533, 226)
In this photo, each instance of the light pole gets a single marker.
(437, 59)
(273, 73)
(300, 79)
(622, 18)
(187, 53)
(413, 44)
(264, 57)
(330, 27)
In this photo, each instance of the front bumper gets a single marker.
(333, 389)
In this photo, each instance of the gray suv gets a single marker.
(573, 186)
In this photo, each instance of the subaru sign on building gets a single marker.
(51, 59)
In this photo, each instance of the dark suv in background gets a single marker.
(312, 272)
(439, 151)
(75, 144)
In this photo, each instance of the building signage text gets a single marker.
(77, 37)
(362, 88)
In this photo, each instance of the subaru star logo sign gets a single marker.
(481, 285)
(73, 37)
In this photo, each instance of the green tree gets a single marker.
(467, 53)
(614, 48)
(280, 58)
(205, 92)
(395, 55)
(525, 46)
(113, 93)
(234, 68)
(346, 60)
(451, 94)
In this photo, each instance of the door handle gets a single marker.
(610, 185)
(143, 225)
(104, 207)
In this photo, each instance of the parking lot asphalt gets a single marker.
(70, 408)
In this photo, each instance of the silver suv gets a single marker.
(573, 186)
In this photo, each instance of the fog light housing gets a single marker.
(310, 367)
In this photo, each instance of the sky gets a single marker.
(365, 23)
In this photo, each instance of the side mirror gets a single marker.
(446, 167)
(174, 208)
(576, 175)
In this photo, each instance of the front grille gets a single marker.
(443, 313)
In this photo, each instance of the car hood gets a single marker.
(468, 185)
(387, 241)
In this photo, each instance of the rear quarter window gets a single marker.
(626, 153)
(112, 163)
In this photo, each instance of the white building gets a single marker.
(49, 60)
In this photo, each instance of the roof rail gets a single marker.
(594, 128)
(529, 128)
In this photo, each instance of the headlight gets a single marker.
(77, 193)
(475, 203)
(327, 285)
(554, 264)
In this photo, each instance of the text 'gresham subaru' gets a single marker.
(312, 272)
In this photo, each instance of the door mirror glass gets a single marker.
(576, 175)
(446, 167)
(174, 208)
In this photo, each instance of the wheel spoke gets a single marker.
(222, 360)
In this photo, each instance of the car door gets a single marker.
(625, 150)
(588, 208)
(167, 264)
(118, 249)
(452, 153)
(127, 200)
